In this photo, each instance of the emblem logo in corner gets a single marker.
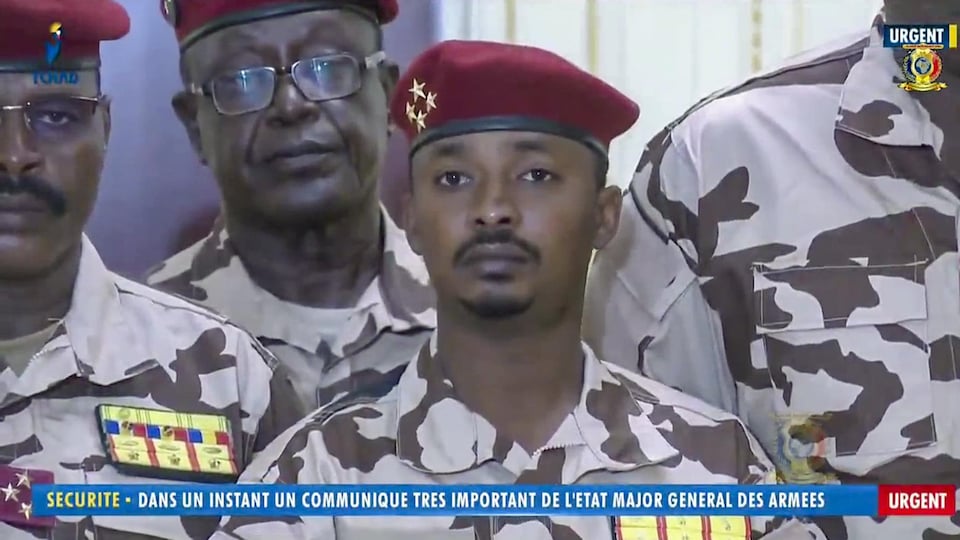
(921, 69)
(52, 50)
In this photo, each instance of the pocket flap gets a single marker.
(808, 297)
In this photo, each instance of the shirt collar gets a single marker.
(106, 349)
(99, 332)
(874, 108)
(399, 299)
(438, 434)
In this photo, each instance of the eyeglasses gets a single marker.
(57, 119)
(321, 78)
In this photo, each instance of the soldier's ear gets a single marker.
(609, 202)
(389, 75)
(107, 123)
(185, 106)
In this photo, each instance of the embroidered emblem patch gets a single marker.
(16, 496)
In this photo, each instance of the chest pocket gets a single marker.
(848, 356)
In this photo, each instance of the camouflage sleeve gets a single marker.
(267, 396)
(298, 456)
(644, 307)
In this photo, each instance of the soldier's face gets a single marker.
(51, 157)
(296, 161)
(506, 221)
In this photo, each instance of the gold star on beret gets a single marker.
(418, 117)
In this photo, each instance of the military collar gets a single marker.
(399, 299)
(106, 349)
(436, 433)
(874, 108)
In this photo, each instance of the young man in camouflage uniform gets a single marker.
(305, 256)
(509, 201)
(789, 253)
(102, 380)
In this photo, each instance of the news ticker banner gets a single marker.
(490, 500)
(932, 35)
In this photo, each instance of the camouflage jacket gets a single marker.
(625, 430)
(788, 251)
(127, 345)
(390, 322)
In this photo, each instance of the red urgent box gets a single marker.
(916, 500)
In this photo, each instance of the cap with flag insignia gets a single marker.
(30, 29)
(459, 87)
(166, 444)
(193, 20)
(16, 496)
(682, 527)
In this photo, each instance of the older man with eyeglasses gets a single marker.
(102, 380)
(286, 102)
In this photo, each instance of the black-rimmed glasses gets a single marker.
(321, 78)
(57, 118)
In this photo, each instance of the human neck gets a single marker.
(523, 378)
(327, 265)
(29, 305)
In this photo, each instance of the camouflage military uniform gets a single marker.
(389, 323)
(788, 251)
(125, 344)
(626, 430)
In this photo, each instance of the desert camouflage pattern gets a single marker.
(389, 324)
(788, 252)
(126, 344)
(625, 430)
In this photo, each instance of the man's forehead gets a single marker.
(16, 87)
(333, 28)
(502, 142)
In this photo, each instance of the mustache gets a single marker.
(496, 236)
(38, 188)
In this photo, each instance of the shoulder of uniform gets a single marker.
(175, 305)
(826, 65)
(646, 390)
(174, 265)
(366, 396)
(298, 436)
(276, 458)
(166, 300)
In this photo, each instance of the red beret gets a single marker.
(194, 19)
(458, 87)
(28, 25)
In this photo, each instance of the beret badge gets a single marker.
(417, 118)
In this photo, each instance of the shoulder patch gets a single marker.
(841, 54)
(155, 443)
(16, 507)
